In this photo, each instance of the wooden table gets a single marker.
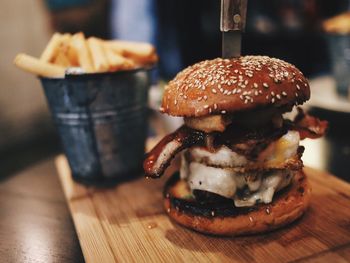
(35, 223)
(36, 226)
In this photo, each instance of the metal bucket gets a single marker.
(102, 122)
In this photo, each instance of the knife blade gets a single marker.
(233, 17)
(231, 44)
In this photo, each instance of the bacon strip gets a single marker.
(309, 126)
(159, 158)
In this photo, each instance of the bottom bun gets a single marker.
(226, 220)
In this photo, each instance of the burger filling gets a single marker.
(246, 158)
(220, 171)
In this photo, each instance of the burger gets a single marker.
(241, 168)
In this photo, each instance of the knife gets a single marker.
(233, 20)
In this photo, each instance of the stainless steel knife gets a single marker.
(233, 20)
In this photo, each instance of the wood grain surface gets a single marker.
(127, 223)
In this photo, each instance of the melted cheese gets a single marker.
(269, 185)
(214, 180)
(225, 182)
(201, 175)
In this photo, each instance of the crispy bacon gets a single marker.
(309, 126)
(246, 142)
(159, 158)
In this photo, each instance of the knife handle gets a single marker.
(233, 15)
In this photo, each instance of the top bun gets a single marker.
(221, 86)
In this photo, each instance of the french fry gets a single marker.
(144, 60)
(98, 55)
(51, 48)
(62, 60)
(65, 42)
(92, 55)
(38, 67)
(135, 50)
(61, 57)
(72, 54)
(83, 54)
(117, 61)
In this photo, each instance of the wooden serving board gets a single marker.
(127, 224)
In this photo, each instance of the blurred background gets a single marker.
(184, 32)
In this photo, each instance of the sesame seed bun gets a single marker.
(227, 220)
(223, 86)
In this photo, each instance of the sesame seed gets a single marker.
(273, 100)
(205, 97)
(199, 98)
(246, 101)
(215, 106)
(267, 97)
(212, 213)
(214, 91)
(209, 110)
(223, 112)
(256, 93)
(185, 97)
(298, 87)
(272, 93)
(255, 85)
(296, 94)
(206, 106)
(278, 96)
(175, 102)
(284, 93)
(265, 85)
